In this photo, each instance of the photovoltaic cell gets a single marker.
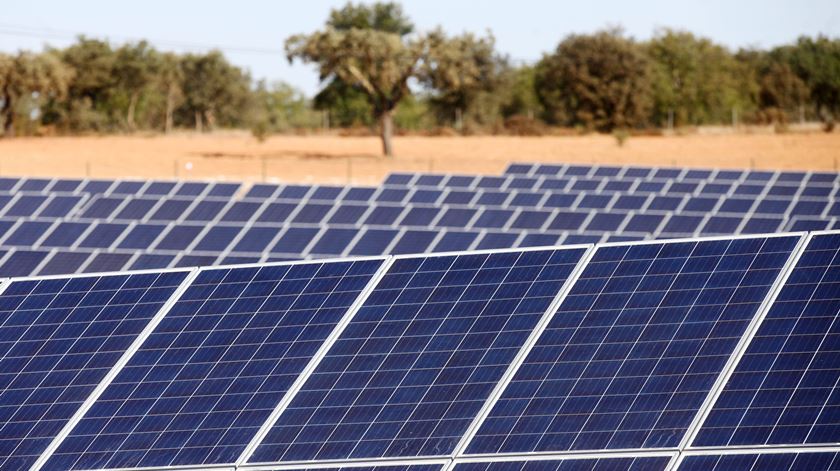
(813, 461)
(784, 389)
(659, 463)
(416, 363)
(633, 350)
(58, 339)
(64, 263)
(217, 365)
(23, 262)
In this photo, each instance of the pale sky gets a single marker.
(251, 32)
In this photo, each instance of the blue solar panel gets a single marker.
(179, 237)
(105, 261)
(65, 234)
(348, 214)
(66, 185)
(26, 205)
(561, 200)
(414, 241)
(374, 242)
(327, 192)
(493, 218)
(96, 186)
(295, 240)
(824, 461)
(241, 211)
(647, 223)
(224, 189)
(217, 365)
(262, 190)
(23, 262)
(217, 238)
(568, 220)
(103, 235)
(278, 212)
(530, 219)
(721, 225)
(206, 210)
(736, 205)
(658, 463)
(493, 198)
(359, 194)
(682, 225)
(459, 197)
(392, 195)
(665, 203)
(420, 216)
(27, 233)
(127, 187)
(191, 189)
(159, 188)
(630, 202)
(67, 334)
(590, 201)
(633, 350)
(34, 184)
(334, 241)
(295, 191)
(455, 240)
(426, 196)
(151, 261)
(136, 208)
(416, 363)
(60, 206)
(312, 213)
(456, 217)
(497, 240)
(141, 236)
(383, 215)
(609, 222)
(171, 210)
(101, 208)
(187, 260)
(784, 389)
(256, 239)
(761, 225)
(62, 263)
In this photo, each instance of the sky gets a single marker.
(251, 32)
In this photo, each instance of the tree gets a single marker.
(695, 81)
(817, 62)
(135, 67)
(170, 79)
(26, 75)
(346, 103)
(90, 95)
(214, 90)
(387, 17)
(599, 81)
(459, 70)
(377, 62)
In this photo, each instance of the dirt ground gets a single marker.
(334, 159)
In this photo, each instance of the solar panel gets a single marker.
(418, 360)
(805, 461)
(27, 233)
(105, 261)
(633, 350)
(374, 242)
(58, 340)
(210, 374)
(141, 236)
(784, 389)
(179, 237)
(580, 464)
(64, 263)
(103, 235)
(23, 262)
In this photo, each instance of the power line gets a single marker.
(48, 33)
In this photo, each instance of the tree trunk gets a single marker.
(198, 123)
(8, 114)
(132, 106)
(170, 109)
(210, 117)
(386, 124)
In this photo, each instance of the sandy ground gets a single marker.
(333, 159)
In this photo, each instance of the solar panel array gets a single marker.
(83, 226)
(713, 353)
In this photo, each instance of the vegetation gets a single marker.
(378, 72)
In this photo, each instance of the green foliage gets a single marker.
(817, 62)
(695, 81)
(26, 81)
(387, 17)
(464, 73)
(599, 82)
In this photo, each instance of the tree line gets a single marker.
(379, 72)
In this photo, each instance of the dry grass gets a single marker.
(333, 159)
